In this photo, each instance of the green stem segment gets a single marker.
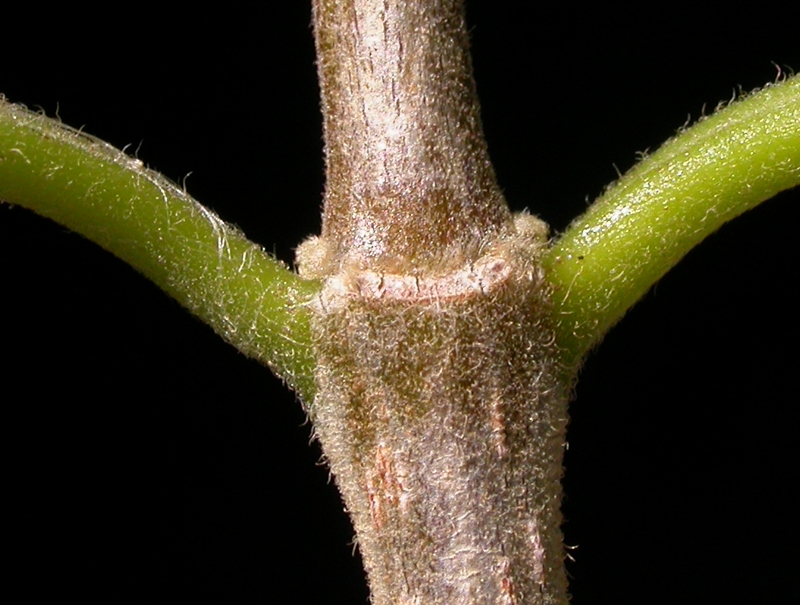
(249, 298)
(643, 225)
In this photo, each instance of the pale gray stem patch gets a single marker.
(441, 412)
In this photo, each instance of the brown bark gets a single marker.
(439, 405)
(408, 173)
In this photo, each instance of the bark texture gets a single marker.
(409, 181)
(441, 415)
(440, 405)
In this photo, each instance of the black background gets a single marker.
(147, 461)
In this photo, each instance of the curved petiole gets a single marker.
(647, 221)
(251, 299)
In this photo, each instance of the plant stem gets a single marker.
(177, 243)
(646, 222)
(408, 173)
(440, 405)
(249, 298)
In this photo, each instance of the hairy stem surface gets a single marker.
(409, 182)
(440, 403)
